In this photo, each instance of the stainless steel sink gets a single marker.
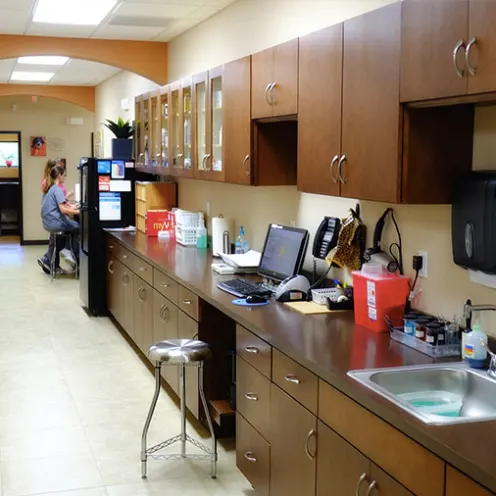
(474, 390)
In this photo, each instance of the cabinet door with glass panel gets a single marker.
(138, 130)
(164, 129)
(188, 168)
(155, 129)
(175, 139)
(200, 92)
(145, 132)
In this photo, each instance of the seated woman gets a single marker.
(55, 211)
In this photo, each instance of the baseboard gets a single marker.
(34, 242)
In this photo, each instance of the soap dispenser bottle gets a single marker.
(201, 235)
(474, 351)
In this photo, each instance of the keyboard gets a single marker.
(242, 288)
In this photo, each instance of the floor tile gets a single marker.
(97, 491)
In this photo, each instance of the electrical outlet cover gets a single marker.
(423, 272)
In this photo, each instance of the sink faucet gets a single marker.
(468, 308)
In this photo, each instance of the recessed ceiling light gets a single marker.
(32, 76)
(73, 12)
(43, 60)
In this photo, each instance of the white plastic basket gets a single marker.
(187, 224)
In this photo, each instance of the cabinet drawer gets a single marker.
(458, 484)
(188, 302)
(126, 257)
(374, 439)
(112, 246)
(252, 456)
(254, 350)
(143, 269)
(253, 396)
(165, 285)
(296, 380)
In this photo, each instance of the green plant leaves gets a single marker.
(121, 129)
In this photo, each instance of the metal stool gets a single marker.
(56, 251)
(181, 353)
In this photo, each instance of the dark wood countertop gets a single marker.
(329, 345)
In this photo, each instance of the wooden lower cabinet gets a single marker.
(293, 446)
(458, 484)
(165, 326)
(253, 456)
(143, 314)
(113, 274)
(125, 313)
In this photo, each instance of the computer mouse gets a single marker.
(252, 299)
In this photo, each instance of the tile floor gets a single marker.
(74, 396)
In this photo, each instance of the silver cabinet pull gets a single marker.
(342, 160)
(371, 487)
(187, 302)
(163, 315)
(271, 93)
(125, 257)
(205, 159)
(142, 269)
(125, 278)
(250, 457)
(246, 165)
(361, 480)
(111, 267)
(333, 164)
(164, 285)
(310, 455)
(251, 396)
(111, 247)
(471, 69)
(252, 349)
(204, 165)
(141, 291)
(267, 94)
(292, 379)
(459, 44)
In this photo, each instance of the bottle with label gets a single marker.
(473, 350)
(240, 242)
(201, 235)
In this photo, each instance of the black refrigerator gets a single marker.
(107, 201)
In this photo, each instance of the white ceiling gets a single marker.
(145, 20)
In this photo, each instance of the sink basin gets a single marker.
(440, 394)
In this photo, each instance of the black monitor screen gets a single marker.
(110, 206)
(103, 166)
(283, 253)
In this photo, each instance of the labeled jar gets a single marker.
(433, 334)
(409, 324)
(420, 324)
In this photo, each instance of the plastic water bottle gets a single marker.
(240, 242)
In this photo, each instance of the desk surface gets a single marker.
(329, 345)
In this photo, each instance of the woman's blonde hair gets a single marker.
(48, 167)
(55, 172)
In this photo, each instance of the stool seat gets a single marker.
(179, 352)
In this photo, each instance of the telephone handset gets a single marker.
(326, 237)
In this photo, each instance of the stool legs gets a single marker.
(53, 269)
(213, 459)
(149, 419)
(182, 394)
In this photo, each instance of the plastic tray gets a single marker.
(426, 348)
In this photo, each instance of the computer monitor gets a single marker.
(283, 253)
(110, 206)
(103, 166)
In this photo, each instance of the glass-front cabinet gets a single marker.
(146, 136)
(138, 130)
(187, 123)
(216, 94)
(200, 83)
(155, 130)
(175, 137)
(164, 128)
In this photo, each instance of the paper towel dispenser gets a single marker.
(473, 221)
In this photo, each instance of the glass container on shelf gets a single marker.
(174, 138)
(164, 133)
(216, 95)
(201, 124)
(187, 114)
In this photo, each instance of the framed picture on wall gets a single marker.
(38, 146)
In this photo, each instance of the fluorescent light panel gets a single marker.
(32, 76)
(73, 12)
(43, 60)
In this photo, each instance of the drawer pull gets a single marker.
(361, 480)
(252, 349)
(142, 269)
(111, 247)
(310, 455)
(250, 457)
(164, 285)
(125, 257)
(251, 396)
(187, 302)
(292, 379)
(371, 487)
(111, 267)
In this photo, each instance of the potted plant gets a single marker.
(122, 144)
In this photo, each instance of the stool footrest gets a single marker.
(159, 447)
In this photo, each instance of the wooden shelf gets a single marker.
(220, 409)
(156, 171)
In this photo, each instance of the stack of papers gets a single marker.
(247, 260)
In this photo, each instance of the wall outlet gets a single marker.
(423, 272)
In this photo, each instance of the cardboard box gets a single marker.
(160, 220)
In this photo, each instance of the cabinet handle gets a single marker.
(267, 93)
(371, 487)
(251, 396)
(195, 336)
(164, 285)
(271, 93)
(111, 267)
(472, 70)
(246, 164)
(310, 455)
(333, 164)
(125, 257)
(459, 44)
(250, 457)
(111, 247)
(361, 480)
(293, 379)
(141, 291)
(125, 278)
(342, 160)
(204, 163)
(142, 269)
(163, 316)
(252, 349)
(187, 302)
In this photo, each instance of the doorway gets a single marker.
(10, 186)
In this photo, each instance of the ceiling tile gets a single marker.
(6, 68)
(39, 29)
(16, 4)
(169, 10)
(13, 21)
(37, 68)
(83, 72)
(198, 3)
(205, 12)
(127, 32)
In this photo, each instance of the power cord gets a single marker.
(398, 258)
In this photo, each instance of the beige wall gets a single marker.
(248, 26)
(45, 118)
(108, 97)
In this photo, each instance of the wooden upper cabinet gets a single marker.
(237, 121)
(481, 56)
(370, 150)
(275, 81)
(430, 33)
(319, 110)
(458, 484)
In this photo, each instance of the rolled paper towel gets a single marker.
(219, 225)
(77, 193)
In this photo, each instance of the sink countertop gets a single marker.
(329, 345)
